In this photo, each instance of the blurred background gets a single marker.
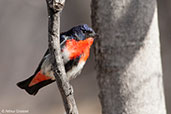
(23, 41)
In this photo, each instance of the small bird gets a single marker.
(75, 49)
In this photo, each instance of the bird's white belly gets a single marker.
(65, 55)
(46, 69)
(75, 71)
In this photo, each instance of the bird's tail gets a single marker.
(34, 83)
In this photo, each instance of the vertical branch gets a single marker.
(66, 90)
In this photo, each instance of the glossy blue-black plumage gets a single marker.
(80, 32)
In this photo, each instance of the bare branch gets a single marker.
(66, 90)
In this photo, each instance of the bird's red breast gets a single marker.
(76, 48)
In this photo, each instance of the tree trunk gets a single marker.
(128, 59)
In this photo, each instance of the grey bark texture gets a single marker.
(66, 90)
(128, 59)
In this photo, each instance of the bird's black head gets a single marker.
(81, 32)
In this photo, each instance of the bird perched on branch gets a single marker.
(75, 48)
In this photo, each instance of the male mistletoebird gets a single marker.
(75, 48)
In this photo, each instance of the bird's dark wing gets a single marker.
(63, 39)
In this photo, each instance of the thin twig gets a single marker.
(66, 90)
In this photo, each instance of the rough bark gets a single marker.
(128, 56)
(66, 90)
